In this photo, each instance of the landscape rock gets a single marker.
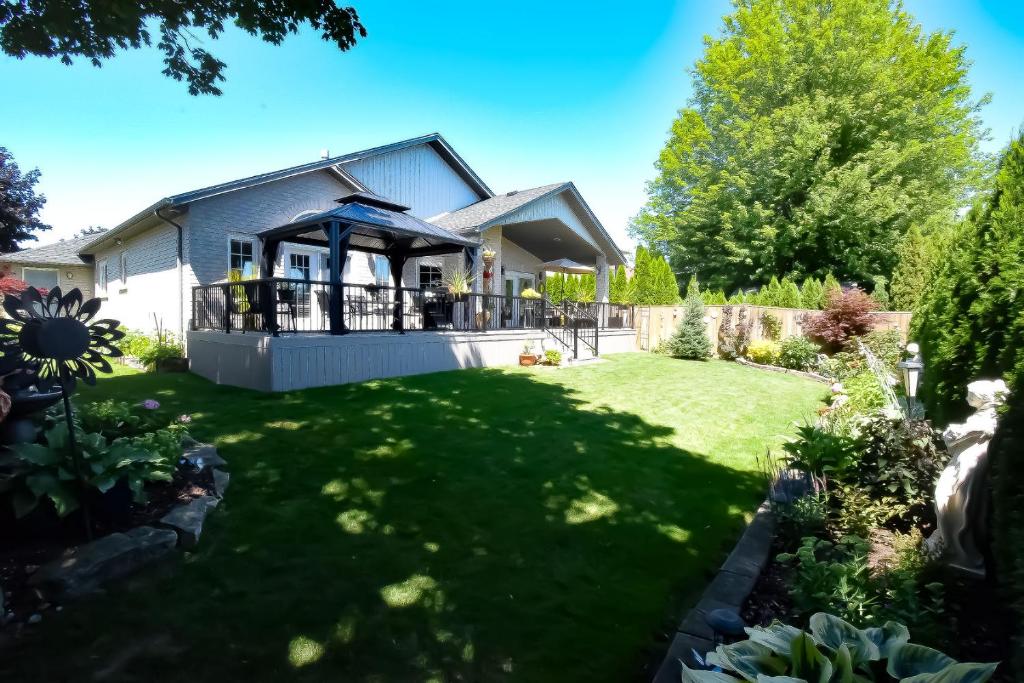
(35, 618)
(203, 455)
(221, 479)
(85, 568)
(187, 520)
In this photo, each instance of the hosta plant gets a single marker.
(834, 651)
(45, 471)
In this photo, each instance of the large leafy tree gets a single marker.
(817, 134)
(96, 31)
(19, 204)
(970, 321)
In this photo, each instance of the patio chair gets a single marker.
(286, 304)
(323, 302)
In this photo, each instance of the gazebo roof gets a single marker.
(376, 225)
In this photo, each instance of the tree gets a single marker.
(654, 282)
(692, 287)
(812, 293)
(97, 31)
(691, 338)
(19, 204)
(830, 285)
(818, 133)
(970, 321)
(789, 294)
(846, 315)
(917, 255)
(880, 293)
(620, 287)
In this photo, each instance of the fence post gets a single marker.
(227, 309)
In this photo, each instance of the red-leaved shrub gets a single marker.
(847, 314)
(12, 285)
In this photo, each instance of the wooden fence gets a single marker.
(657, 323)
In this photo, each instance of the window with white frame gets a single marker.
(299, 266)
(430, 276)
(101, 277)
(124, 268)
(240, 257)
(41, 278)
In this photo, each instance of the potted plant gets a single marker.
(528, 357)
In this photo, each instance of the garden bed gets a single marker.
(44, 538)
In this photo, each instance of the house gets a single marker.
(394, 218)
(56, 264)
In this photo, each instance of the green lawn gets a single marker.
(470, 525)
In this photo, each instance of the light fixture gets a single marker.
(911, 369)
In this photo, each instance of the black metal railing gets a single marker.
(285, 305)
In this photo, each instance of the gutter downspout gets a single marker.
(181, 275)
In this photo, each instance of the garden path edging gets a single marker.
(85, 568)
(775, 368)
(728, 590)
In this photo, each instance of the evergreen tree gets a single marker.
(644, 278)
(813, 124)
(917, 255)
(587, 291)
(691, 339)
(812, 294)
(736, 298)
(620, 287)
(880, 293)
(555, 287)
(771, 294)
(668, 286)
(970, 321)
(789, 294)
(692, 287)
(831, 284)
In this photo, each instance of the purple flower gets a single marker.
(150, 404)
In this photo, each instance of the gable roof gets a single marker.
(334, 164)
(63, 253)
(477, 216)
(484, 214)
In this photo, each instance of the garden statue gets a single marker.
(960, 495)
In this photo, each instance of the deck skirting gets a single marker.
(291, 362)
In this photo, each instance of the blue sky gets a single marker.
(529, 94)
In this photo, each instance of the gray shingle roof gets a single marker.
(473, 216)
(63, 253)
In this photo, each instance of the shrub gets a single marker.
(832, 651)
(846, 314)
(1005, 453)
(812, 293)
(114, 419)
(899, 458)
(865, 393)
(771, 326)
(885, 344)
(553, 357)
(15, 286)
(765, 352)
(970, 321)
(789, 294)
(798, 353)
(733, 340)
(691, 339)
(821, 453)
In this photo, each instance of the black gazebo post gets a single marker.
(396, 260)
(337, 242)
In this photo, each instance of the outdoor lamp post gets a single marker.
(911, 370)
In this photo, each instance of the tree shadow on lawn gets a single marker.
(472, 525)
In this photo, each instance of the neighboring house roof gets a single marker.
(63, 253)
(435, 140)
(484, 214)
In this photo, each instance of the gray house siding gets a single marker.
(417, 177)
(552, 206)
(68, 278)
(150, 284)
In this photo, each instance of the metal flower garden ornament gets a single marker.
(55, 333)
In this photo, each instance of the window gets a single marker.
(41, 278)
(298, 266)
(124, 268)
(240, 257)
(430, 277)
(101, 278)
(382, 270)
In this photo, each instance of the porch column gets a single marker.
(268, 255)
(338, 246)
(601, 273)
(396, 261)
(475, 266)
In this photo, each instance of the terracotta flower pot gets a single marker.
(527, 359)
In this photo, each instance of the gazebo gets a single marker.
(369, 223)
